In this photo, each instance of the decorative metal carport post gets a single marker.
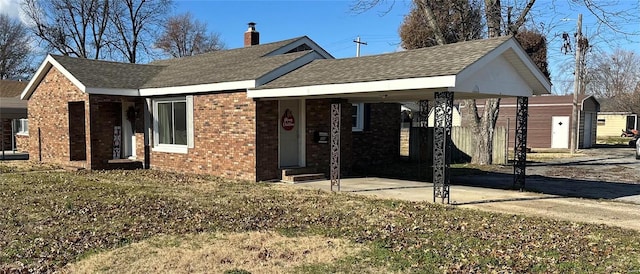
(442, 145)
(423, 132)
(335, 146)
(520, 150)
(423, 114)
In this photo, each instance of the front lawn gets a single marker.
(120, 219)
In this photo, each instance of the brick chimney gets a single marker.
(251, 36)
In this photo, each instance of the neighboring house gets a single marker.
(549, 121)
(613, 123)
(251, 113)
(13, 115)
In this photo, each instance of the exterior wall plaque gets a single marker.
(288, 121)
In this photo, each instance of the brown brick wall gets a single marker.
(48, 112)
(225, 128)
(22, 143)
(224, 139)
(267, 141)
(379, 142)
(318, 116)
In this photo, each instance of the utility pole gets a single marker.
(358, 43)
(577, 83)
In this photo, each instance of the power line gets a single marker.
(358, 43)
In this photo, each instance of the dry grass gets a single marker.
(613, 140)
(51, 219)
(25, 166)
(552, 155)
(256, 252)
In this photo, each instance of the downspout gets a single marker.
(147, 133)
(13, 135)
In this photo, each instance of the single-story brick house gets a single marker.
(249, 113)
(13, 115)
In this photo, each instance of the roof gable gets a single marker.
(455, 67)
(440, 61)
(107, 74)
(215, 71)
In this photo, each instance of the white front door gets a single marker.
(560, 132)
(291, 133)
(128, 131)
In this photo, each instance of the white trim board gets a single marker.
(47, 64)
(361, 87)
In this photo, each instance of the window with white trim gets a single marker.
(21, 126)
(357, 116)
(173, 124)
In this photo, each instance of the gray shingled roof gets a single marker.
(10, 89)
(104, 74)
(215, 67)
(426, 62)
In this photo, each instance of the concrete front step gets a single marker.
(297, 178)
(298, 171)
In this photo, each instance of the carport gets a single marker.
(488, 68)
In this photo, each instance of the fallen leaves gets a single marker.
(51, 219)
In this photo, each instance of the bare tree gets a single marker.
(14, 48)
(183, 35)
(71, 27)
(483, 124)
(449, 21)
(133, 21)
(616, 77)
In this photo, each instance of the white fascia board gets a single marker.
(361, 87)
(114, 91)
(42, 71)
(518, 93)
(533, 68)
(288, 67)
(538, 105)
(235, 85)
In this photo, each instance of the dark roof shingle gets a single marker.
(106, 74)
(10, 89)
(426, 62)
(213, 67)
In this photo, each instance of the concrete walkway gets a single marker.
(625, 215)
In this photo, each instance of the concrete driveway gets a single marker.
(602, 187)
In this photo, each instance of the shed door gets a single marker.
(560, 132)
(588, 128)
(631, 122)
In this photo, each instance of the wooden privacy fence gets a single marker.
(462, 139)
(462, 144)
